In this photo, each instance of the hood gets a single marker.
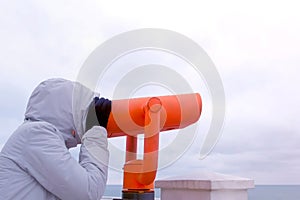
(63, 104)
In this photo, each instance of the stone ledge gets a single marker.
(204, 186)
(205, 181)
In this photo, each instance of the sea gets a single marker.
(260, 192)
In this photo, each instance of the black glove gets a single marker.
(103, 108)
(98, 113)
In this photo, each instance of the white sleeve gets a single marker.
(48, 160)
(94, 157)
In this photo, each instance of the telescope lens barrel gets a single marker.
(127, 116)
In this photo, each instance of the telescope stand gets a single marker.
(139, 175)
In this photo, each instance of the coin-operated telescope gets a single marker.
(148, 116)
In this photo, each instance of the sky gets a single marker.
(254, 45)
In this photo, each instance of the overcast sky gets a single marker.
(255, 46)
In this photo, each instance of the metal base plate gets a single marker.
(138, 196)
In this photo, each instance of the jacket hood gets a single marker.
(63, 104)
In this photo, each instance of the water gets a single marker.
(113, 191)
(275, 192)
(260, 192)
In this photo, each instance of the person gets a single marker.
(35, 162)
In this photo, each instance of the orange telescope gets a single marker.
(148, 116)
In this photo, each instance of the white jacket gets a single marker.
(35, 163)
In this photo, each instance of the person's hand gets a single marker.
(103, 109)
(98, 113)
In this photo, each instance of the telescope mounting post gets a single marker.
(139, 175)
